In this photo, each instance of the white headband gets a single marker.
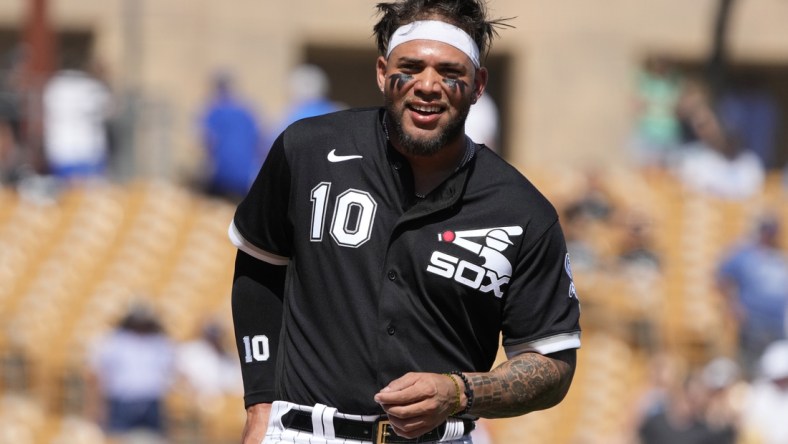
(438, 31)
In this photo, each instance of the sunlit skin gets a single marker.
(429, 87)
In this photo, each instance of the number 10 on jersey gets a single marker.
(351, 223)
(256, 349)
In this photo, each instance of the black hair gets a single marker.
(141, 319)
(468, 15)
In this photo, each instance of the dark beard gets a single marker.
(428, 147)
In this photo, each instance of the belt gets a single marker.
(379, 432)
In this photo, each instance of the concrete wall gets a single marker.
(568, 89)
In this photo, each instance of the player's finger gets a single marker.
(406, 396)
(402, 382)
(425, 408)
(405, 390)
(410, 428)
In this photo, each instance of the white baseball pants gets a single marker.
(322, 417)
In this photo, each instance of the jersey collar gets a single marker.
(446, 195)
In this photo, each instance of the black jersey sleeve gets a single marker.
(257, 320)
(542, 312)
(261, 226)
(261, 230)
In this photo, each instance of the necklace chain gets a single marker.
(385, 128)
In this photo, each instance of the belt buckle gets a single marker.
(383, 432)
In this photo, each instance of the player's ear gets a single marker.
(479, 83)
(381, 72)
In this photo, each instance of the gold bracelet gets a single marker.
(457, 392)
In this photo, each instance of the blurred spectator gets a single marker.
(683, 417)
(753, 278)
(207, 367)
(718, 164)
(8, 145)
(665, 371)
(784, 175)
(657, 132)
(577, 230)
(636, 251)
(755, 112)
(233, 142)
(586, 223)
(695, 96)
(595, 200)
(482, 124)
(766, 404)
(721, 379)
(77, 106)
(638, 266)
(309, 88)
(133, 369)
(10, 116)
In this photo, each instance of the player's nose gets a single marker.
(429, 82)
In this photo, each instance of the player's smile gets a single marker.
(425, 114)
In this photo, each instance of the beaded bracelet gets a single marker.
(457, 392)
(468, 391)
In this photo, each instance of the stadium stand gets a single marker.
(69, 269)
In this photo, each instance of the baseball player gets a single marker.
(382, 254)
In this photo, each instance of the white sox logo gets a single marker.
(496, 266)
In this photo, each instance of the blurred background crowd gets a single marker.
(129, 129)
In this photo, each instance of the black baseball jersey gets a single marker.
(380, 282)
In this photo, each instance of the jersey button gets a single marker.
(392, 275)
(391, 330)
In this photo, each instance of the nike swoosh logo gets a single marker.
(333, 157)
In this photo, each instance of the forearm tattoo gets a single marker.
(523, 384)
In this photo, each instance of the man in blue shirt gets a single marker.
(754, 279)
(233, 142)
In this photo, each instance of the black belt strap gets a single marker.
(379, 432)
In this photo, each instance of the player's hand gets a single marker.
(418, 402)
(256, 423)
